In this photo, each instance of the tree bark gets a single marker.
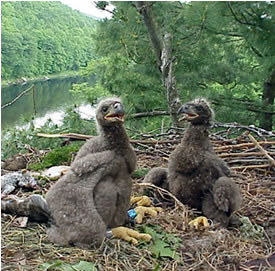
(268, 97)
(162, 48)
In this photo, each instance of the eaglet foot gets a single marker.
(129, 235)
(199, 223)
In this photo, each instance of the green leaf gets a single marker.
(162, 249)
(152, 232)
(62, 266)
(84, 266)
(54, 265)
(156, 268)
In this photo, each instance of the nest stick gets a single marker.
(270, 159)
(165, 191)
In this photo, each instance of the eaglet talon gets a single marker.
(142, 211)
(130, 235)
(199, 221)
(141, 201)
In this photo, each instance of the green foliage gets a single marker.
(120, 76)
(59, 265)
(73, 123)
(39, 38)
(56, 157)
(223, 55)
(140, 172)
(156, 268)
(15, 140)
(137, 126)
(164, 244)
(250, 230)
(89, 93)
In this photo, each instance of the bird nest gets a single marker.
(175, 246)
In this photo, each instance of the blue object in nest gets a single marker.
(132, 214)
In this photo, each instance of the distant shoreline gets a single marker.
(24, 80)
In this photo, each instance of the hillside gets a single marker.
(41, 38)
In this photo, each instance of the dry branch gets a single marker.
(242, 146)
(148, 114)
(251, 167)
(17, 97)
(86, 137)
(270, 159)
(244, 154)
(70, 135)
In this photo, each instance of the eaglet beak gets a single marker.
(116, 113)
(188, 113)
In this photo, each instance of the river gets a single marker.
(50, 99)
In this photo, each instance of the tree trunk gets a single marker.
(163, 51)
(266, 120)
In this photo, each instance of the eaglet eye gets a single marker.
(104, 109)
(199, 108)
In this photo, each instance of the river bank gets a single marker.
(24, 80)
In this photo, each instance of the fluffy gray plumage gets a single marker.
(157, 176)
(196, 175)
(95, 194)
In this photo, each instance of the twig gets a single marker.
(246, 161)
(148, 114)
(243, 154)
(33, 100)
(259, 131)
(85, 137)
(163, 190)
(17, 97)
(70, 135)
(242, 145)
(270, 159)
(251, 166)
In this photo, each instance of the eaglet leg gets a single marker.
(76, 219)
(105, 198)
(224, 199)
(211, 211)
(112, 202)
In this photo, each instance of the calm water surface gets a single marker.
(50, 99)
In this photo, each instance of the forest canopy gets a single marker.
(220, 50)
(41, 38)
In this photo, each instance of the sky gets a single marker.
(87, 7)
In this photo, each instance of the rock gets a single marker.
(55, 172)
(14, 163)
(11, 181)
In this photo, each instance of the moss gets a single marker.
(56, 157)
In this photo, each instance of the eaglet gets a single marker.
(95, 194)
(196, 175)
